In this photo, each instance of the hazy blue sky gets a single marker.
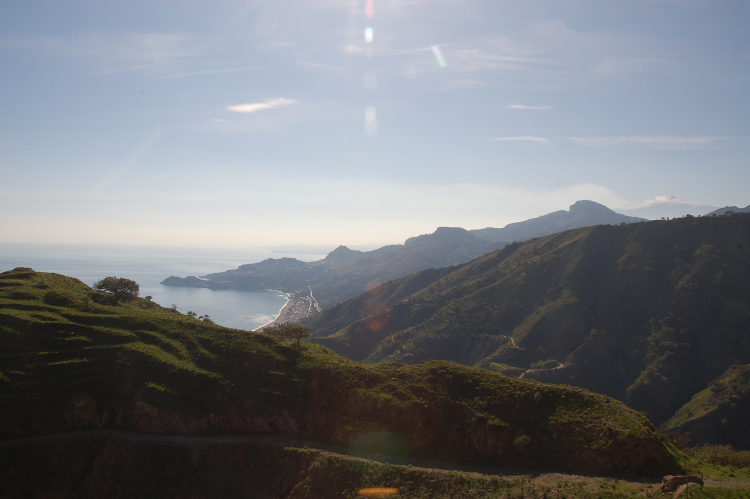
(249, 123)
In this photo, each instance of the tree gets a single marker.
(122, 288)
(288, 331)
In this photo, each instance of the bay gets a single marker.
(148, 266)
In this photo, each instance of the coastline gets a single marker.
(300, 305)
(289, 300)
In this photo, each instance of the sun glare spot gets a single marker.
(371, 121)
(438, 56)
(374, 286)
(368, 35)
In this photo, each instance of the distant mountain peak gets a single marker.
(452, 231)
(342, 254)
(586, 206)
(582, 213)
(734, 209)
(442, 233)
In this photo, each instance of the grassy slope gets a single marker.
(649, 313)
(68, 362)
(98, 467)
(718, 413)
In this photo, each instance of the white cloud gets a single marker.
(650, 141)
(660, 200)
(262, 106)
(665, 206)
(525, 138)
(521, 106)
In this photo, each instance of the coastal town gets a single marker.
(301, 304)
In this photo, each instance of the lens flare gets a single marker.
(369, 9)
(369, 35)
(373, 287)
(438, 56)
(371, 121)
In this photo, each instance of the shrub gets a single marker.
(58, 298)
(122, 288)
(723, 455)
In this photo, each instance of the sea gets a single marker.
(148, 266)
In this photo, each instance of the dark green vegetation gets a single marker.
(580, 214)
(287, 331)
(122, 288)
(721, 455)
(77, 362)
(719, 413)
(99, 467)
(650, 313)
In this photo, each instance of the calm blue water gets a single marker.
(148, 266)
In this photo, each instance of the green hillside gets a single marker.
(105, 467)
(719, 413)
(70, 359)
(649, 313)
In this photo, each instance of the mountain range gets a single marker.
(652, 313)
(346, 273)
(733, 209)
(581, 214)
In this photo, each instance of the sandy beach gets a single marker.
(301, 304)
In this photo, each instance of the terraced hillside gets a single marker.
(71, 359)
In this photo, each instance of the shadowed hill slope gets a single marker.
(733, 209)
(71, 361)
(650, 313)
(718, 414)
